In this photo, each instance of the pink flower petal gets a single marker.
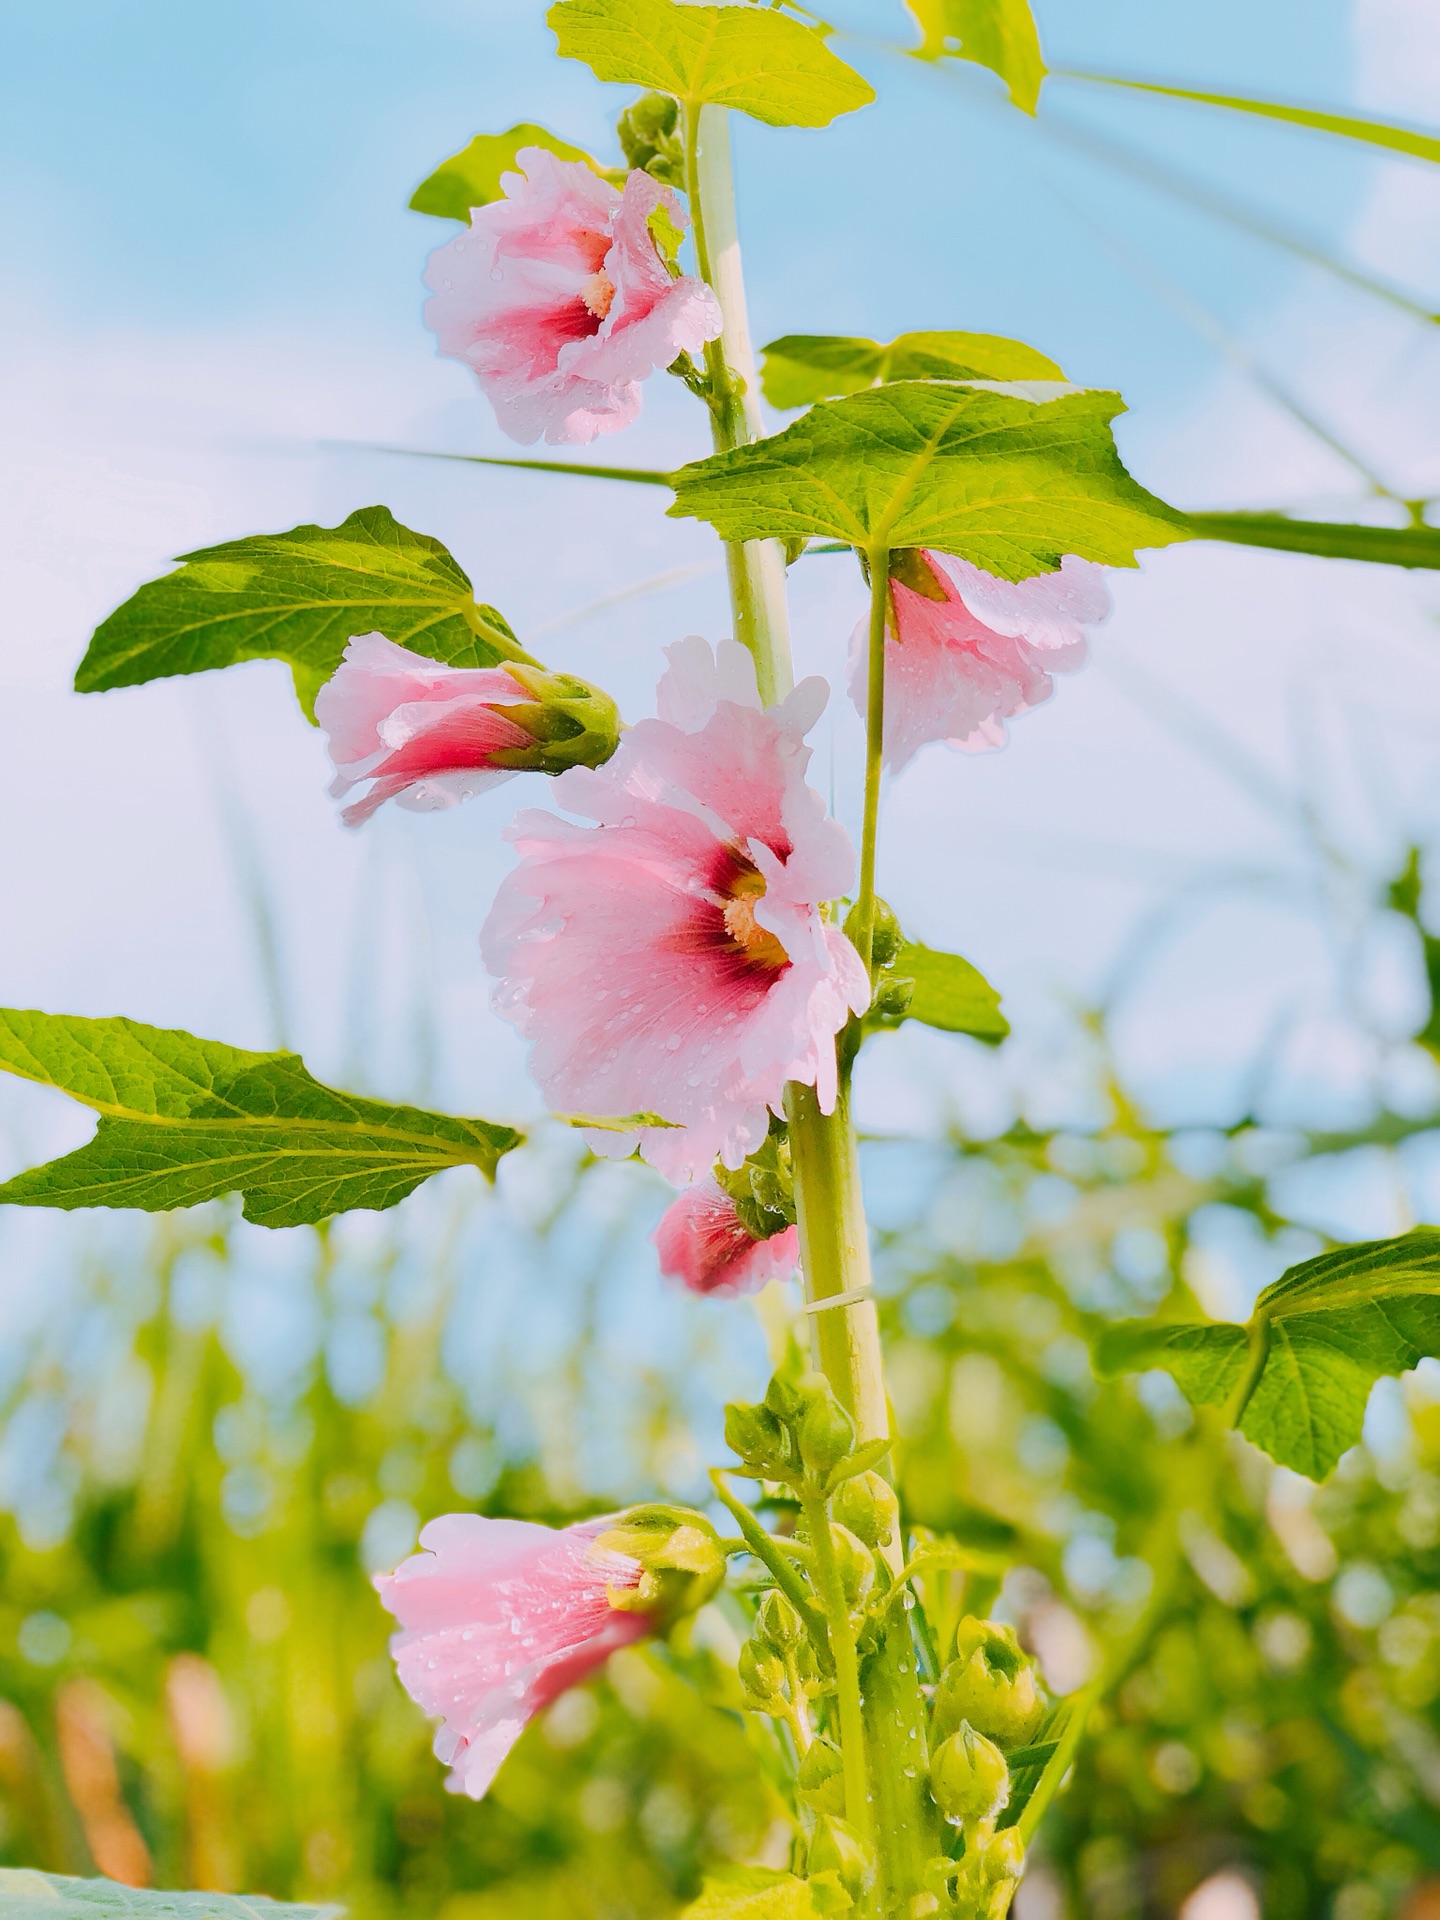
(958, 668)
(498, 1617)
(558, 300)
(672, 959)
(703, 1242)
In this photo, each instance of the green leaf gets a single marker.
(750, 58)
(1011, 479)
(1334, 540)
(998, 34)
(28, 1895)
(950, 994)
(184, 1120)
(751, 1893)
(1296, 1379)
(299, 597)
(805, 367)
(1418, 143)
(471, 178)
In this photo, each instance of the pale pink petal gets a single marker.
(672, 959)
(497, 1617)
(418, 730)
(702, 1241)
(957, 669)
(558, 300)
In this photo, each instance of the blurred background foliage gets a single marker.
(194, 1687)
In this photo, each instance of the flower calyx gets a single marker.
(867, 1506)
(681, 1559)
(763, 1185)
(570, 723)
(991, 1685)
(838, 1854)
(969, 1778)
(820, 1780)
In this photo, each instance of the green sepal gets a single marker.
(184, 1120)
(471, 178)
(762, 1187)
(681, 1556)
(1296, 1378)
(649, 133)
(801, 368)
(750, 58)
(301, 597)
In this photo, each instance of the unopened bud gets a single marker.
(892, 1000)
(886, 938)
(777, 1623)
(825, 1431)
(855, 1563)
(991, 1683)
(649, 138)
(968, 1777)
(758, 1437)
(866, 1504)
(762, 1675)
(1003, 1856)
(837, 1848)
(680, 1553)
(821, 1779)
(783, 1398)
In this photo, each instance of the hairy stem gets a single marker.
(879, 561)
(756, 567)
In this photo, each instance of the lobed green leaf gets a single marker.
(26, 1894)
(299, 597)
(1011, 478)
(1328, 1329)
(802, 368)
(760, 62)
(471, 178)
(1416, 142)
(998, 34)
(184, 1120)
(752, 1893)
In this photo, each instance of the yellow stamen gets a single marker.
(757, 943)
(598, 293)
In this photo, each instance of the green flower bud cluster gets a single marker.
(682, 1561)
(649, 131)
(763, 1186)
(777, 1667)
(801, 1436)
(987, 1706)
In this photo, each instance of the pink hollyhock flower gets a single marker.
(498, 1617)
(560, 302)
(957, 667)
(416, 730)
(672, 960)
(703, 1242)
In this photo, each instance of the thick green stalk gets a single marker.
(756, 567)
(879, 562)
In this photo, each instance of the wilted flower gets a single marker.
(703, 1241)
(560, 301)
(497, 1618)
(673, 961)
(964, 652)
(431, 736)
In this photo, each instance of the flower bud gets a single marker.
(892, 1000)
(649, 138)
(990, 1873)
(866, 1504)
(758, 1437)
(783, 1398)
(762, 1675)
(821, 1779)
(991, 1684)
(968, 1777)
(886, 938)
(856, 1565)
(680, 1553)
(777, 1624)
(837, 1848)
(824, 1429)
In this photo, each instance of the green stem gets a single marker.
(756, 567)
(848, 1699)
(789, 1582)
(879, 562)
(835, 1255)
